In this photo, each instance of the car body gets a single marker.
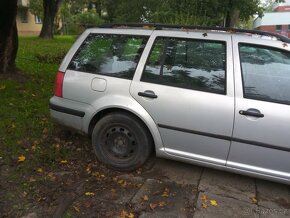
(213, 98)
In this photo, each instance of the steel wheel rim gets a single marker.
(119, 143)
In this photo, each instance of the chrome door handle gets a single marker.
(148, 94)
(252, 112)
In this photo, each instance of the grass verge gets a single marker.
(30, 146)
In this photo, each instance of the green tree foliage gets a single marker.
(75, 14)
(187, 12)
(36, 7)
(194, 12)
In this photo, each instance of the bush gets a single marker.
(76, 24)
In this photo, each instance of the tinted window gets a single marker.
(185, 63)
(111, 55)
(266, 73)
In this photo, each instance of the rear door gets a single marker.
(185, 82)
(261, 139)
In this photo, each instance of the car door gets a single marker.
(261, 139)
(185, 82)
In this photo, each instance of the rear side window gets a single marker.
(187, 63)
(110, 55)
(266, 73)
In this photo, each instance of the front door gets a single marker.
(261, 139)
(186, 84)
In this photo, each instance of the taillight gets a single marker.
(58, 84)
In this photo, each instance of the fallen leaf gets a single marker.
(89, 194)
(51, 176)
(124, 214)
(31, 179)
(213, 203)
(204, 198)
(153, 205)
(254, 200)
(182, 209)
(161, 204)
(165, 194)
(204, 205)
(2, 87)
(88, 170)
(21, 158)
(63, 161)
(131, 215)
(24, 194)
(40, 170)
(76, 209)
(120, 181)
(124, 184)
(57, 146)
(33, 147)
(138, 172)
(145, 198)
(45, 131)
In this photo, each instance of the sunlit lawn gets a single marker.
(24, 102)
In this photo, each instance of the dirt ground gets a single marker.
(78, 187)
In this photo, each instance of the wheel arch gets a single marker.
(153, 130)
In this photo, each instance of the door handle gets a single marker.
(148, 94)
(252, 112)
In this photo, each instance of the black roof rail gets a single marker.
(159, 26)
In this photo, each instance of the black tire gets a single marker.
(121, 141)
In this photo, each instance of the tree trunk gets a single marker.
(50, 8)
(8, 36)
(232, 15)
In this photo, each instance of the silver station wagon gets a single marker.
(208, 96)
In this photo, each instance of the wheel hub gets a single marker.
(120, 142)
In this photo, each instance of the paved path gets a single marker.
(173, 189)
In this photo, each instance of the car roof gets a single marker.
(147, 28)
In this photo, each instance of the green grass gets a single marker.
(24, 109)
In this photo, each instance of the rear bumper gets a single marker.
(70, 113)
(66, 110)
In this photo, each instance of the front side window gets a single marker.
(110, 55)
(187, 63)
(266, 73)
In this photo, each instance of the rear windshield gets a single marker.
(110, 55)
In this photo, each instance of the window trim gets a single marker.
(109, 34)
(37, 19)
(241, 67)
(189, 39)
